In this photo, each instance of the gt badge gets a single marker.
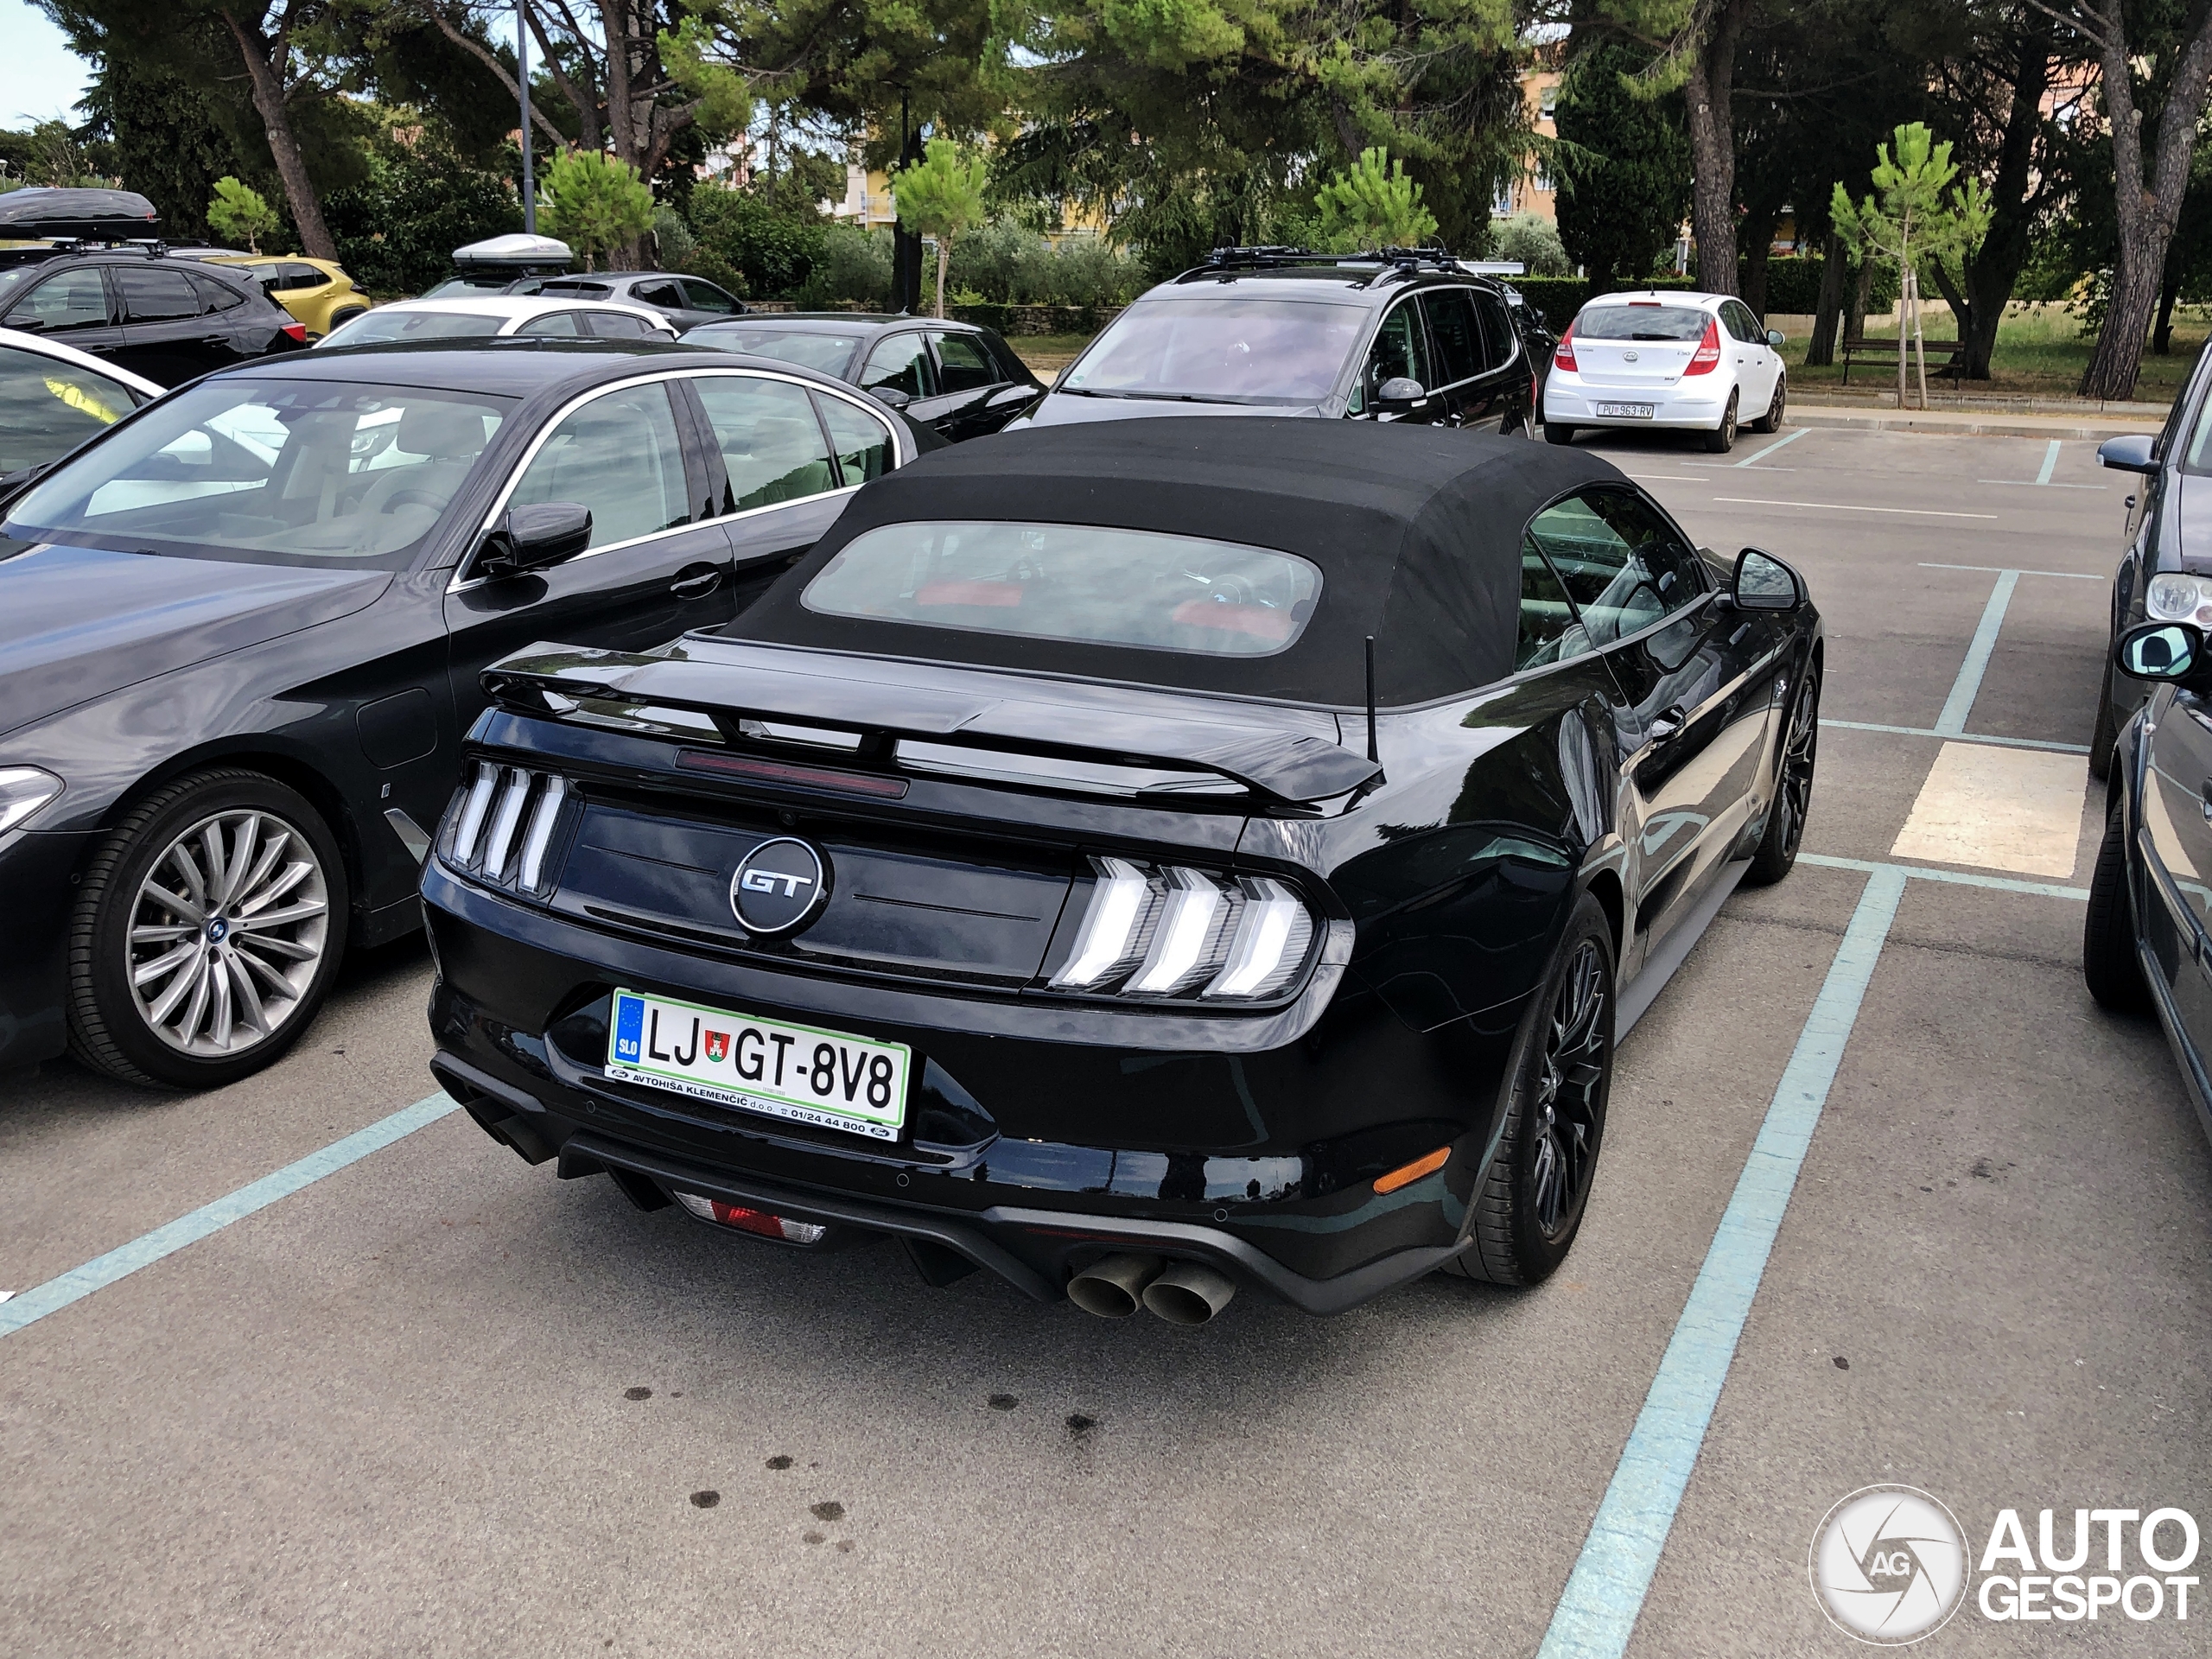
(779, 887)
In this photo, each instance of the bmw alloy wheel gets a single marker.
(227, 930)
(1569, 1081)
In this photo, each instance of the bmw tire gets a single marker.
(207, 932)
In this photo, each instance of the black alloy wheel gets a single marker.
(1530, 1203)
(1793, 788)
(1771, 421)
(2110, 962)
(207, 932)
(1722, 438)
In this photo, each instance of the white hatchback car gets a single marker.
(457, 318)
(1699, 362)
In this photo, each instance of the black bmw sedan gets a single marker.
(1138, 859)
(242, 630)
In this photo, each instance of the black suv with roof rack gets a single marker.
(169, 319)
(1392, 334)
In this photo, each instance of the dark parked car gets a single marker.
(243, 630)
(168, 319)
(2165, 562)
(962, 379)
(1136, 859)
(53, 398)
(1402, 337)
(2147, 942)
(686, 301)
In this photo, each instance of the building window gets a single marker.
(1546, 101)
(1502, 205)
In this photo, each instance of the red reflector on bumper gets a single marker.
(752, 1221)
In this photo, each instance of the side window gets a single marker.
(962, 364)
(617, 325)
(862, 442)
(620, 456)
(1621, 561)
(1741, 323)
(900, 363)
(1452, 333)
(157, 296)
(216, 295)
(1398, 350)
(667, 294)
(771, 445)
(1549, 631)
(74, 299)
(562, 324)
(49, 407)
(705, 296)
(1497, 330)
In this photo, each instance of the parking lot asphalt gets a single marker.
(436, 1403)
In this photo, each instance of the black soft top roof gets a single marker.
(1416, 531)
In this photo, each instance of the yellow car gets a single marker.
(319, 295)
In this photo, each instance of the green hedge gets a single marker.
(1558, 298)
(1793, 285)
(1011, 320)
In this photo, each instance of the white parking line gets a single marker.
(1846, 506)
(1957, 737)
(1779, 443)
(1999, 569)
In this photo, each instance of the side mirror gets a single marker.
(1401, 392)
(890, 396)
(1776, 339)
(1764, 582)
(531, 538)
(2160, 652)
(2132, 452)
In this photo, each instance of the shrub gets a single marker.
(237, 213)
(673, 239)
(773, 247)
(593, 202)
(1535, 242)
(396, 231)
(853, 267)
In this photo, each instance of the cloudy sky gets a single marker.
(40, 77)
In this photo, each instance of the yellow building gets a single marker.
(1533, 192)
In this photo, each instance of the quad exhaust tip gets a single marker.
(1183, 1293)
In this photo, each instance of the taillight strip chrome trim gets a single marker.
(1117, 905)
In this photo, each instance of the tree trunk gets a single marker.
(1904, 299)
(2162, 330)
(265, 67)
(1758, 228)
(1709, 91)
(1988, 279)
(2145, 207)
(944, 259)
(1820, 350)
(1862, 296)
(621, 53)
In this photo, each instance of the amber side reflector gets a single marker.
(803, 777)
(1406, 1173)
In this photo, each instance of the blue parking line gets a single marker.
(1952, 723)
(1957, 878)
(1779, 444)
(2050, 463)
(143, 1252)
(1598, 1610)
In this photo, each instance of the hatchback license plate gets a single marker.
(798, 1073)
(1627, 411)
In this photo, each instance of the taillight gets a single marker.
(758, 1222)
(1706, 358)
(297, 331)
(1563, 355)
(1173, 932)
(500, 828)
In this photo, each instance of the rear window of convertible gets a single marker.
(1080, 582)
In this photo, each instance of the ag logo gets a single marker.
(1889, 1565)
(779, 886)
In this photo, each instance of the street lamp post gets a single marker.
(522, 79)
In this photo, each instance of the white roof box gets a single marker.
(515, 250)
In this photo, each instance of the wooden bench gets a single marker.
(1885, 351)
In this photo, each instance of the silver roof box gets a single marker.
(516, 249)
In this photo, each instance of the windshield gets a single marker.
(381, 326)
(1240, 351)
(280, 473)
(1642, 321)
(1078, 583)
(828, 352)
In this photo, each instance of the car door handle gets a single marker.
(1668, 725)
(696, 582)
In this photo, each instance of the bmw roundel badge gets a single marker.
(779, 885)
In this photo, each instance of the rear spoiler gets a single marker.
(1293, 770)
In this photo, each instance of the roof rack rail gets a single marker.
(1395, 260)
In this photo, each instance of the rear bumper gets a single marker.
(1570, 402)
(1027, 1155)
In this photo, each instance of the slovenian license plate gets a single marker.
(798, 1073)
(1626, 411)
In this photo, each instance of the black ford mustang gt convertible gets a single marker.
(1135, 858)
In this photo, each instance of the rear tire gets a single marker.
(1557, 432)
(202, 946)
(2105, 732)
(1722, 438)
(2110, 962)
(1530, 1203)
(1771, 421)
